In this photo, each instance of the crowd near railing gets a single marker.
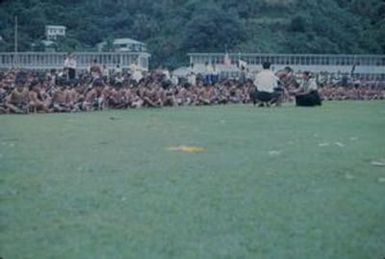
(24, 91)
(366, 66)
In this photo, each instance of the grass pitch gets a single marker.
(271, 183)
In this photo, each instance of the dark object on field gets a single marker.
(308, 100)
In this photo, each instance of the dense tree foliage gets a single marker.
(171, 28)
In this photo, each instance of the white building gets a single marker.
(124, 45)
(53, 31)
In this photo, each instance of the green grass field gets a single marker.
(272, 183)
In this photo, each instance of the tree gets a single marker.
(211, 29)
(298, 24)
(171, 28)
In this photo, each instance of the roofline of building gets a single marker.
(281, 54)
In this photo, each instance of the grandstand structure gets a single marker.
(362, 66)
(55, 60)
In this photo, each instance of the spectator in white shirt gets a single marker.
(70, 66)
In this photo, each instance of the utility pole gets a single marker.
(15, 56)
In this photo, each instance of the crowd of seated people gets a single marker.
(339, 93)
(32, 91)
(23, 92)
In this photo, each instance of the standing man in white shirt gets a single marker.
(266, 84)
(191, 75)
(70, 66)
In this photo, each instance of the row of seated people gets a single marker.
(340, 93)
(32, 95)
(24, 92)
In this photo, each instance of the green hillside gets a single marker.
(171, 28)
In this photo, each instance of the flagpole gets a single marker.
(15, 57)
(239, 60)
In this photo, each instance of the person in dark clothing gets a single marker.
(307, 94)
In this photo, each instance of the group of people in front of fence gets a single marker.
(30, 91)
(271, 88)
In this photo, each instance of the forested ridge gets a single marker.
(172, 28)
